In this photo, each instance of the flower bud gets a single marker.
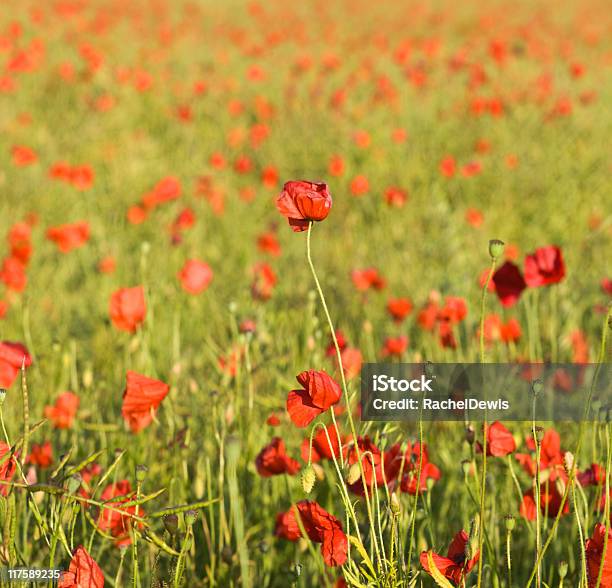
(171, 523)
(74, 483)
(354, 473)
(191, 517)
(568, 461)
(466, 467)
(539, 435)
(537, 386)
(470, 434)
(496, 248)
(395, 504)
(141, 472)
(2, 395)
(562, 569)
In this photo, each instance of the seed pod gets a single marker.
(539, 435)
(191, 516)
(562, 569)
(470, 434)
(141, 472)
(537, 386)
(510, 523)
(496, 248)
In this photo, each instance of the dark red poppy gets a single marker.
(320, 526)
(12, 357)
(544, 266)
(141, 399)
(62, 413)
(83, 572)
(128, 308)
(509, 283)
(195, 276)
(69, 237)
(7, 468)
(272, 460)
(500, 441)
(593, 476)
(456, 565)
(303, 201)
(399, 308)
(595, 554)
(319, 392)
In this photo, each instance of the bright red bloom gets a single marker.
(500, 441)
(7, 468)
(268, 243)
(456, 565)
(107, 265)
(510, 331)
(399, 308)
(83, 572)
(41, 455)
(23, 155)
(360, 185)
(319, 392)
(509, 283)
(20, 241)
(395, 196)
(336, 165)
(3, 309)
(273, 420)
(167, 189)
(319, 525)
(595, 553)
(264, 280)
(141, 399)
(302, 202)
(13, 275)
(395, 346)
(272, 460)
(352, 359)
(195, 276)
(474, 217)
(544, 266)
(69, 237)
(454, 310)
(82, 177)
(368, 278)
(321, 448)
(12, 356)
(448, 166)
(128, 308)
(118, 524)
(64, 410)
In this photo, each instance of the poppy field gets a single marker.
(212, 214)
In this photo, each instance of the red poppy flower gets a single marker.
(399, 308)
(7, 468)
(13, 275)
(128, 308)
(368, 278)
(593, 476)
(83, 572)
(69, 237)
(20, 241)
(550, 502)
(268, 243)
(141, 399)
(352, 360)
(12, 356)
(360, 185)
(510, 331)
(500, 441)
(319, 392)
(264, 280)
(336, 165)
(273, 420)
(456, 565)
(319, 525)
(303, 201)
(395, 197)
(41, 455)
(595, 554)
(82, 177)
(544, 266)
(167, 189)
(118, 524)
(272, 460)
(509, 283)
(454, 310)
(408, 465)
(64, 410)
(321, 448)
(474, 217)
(448, 166)
(23, 155)
(195, 276)
(107, 265)
(3, 309)
(395, 346)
